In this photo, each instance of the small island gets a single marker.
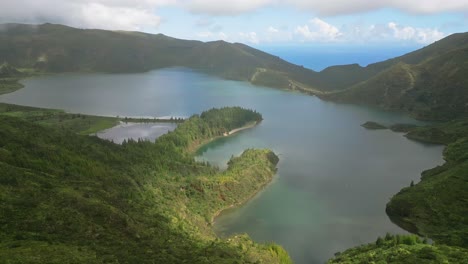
(373, 125)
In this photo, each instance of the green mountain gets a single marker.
(430, 83)
(58, 48)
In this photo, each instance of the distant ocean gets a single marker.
(318, 58)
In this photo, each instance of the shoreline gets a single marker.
(195, 147)
(241, 203)
(250, 197)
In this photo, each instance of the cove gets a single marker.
(334, 177)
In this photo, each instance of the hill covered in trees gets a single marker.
(58, 48)
(430, 83)
(67, 198)
(401, 249)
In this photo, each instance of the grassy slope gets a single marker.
(67, 198)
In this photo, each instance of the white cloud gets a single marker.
(249, 37)
(217, 7)
(273, 34)
(209, 35)
(325, 8)
(272, 30)
(319, 30)
(142, 15)
(100, 16)
(419, 35)
(337, 7)
(105, 14)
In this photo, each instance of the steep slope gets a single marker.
(430, 83)
(437, 206)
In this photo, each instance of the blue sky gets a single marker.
(259, 22)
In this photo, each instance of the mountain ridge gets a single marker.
(428, 83)
(57, 48)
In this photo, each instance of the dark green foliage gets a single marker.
(373, 125)
(210, 124)
(66, 198)
(57, 48)
(78, 123)
(429, 83)
(402, 249)
(9, 79)
(437, 207)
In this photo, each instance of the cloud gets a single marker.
(217, 7)
(419, 35)
(340, 7)
(319, 30)
(209, 35)
(100, 16)
(105, 14)
(272, 30)
(325, 8)
(273, 34)
(249, 37)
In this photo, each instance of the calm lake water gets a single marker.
(135, 131)
(334, 177)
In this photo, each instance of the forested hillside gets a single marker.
(58, 48)
(430, 83)
(66, 198)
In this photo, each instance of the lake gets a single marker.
(334, 177)
(136, 131)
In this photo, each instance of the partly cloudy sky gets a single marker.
(258, 22)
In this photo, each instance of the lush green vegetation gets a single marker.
(437, 207)
(57, 48)
(373, 125)
(401, 249)
(211, 124)
(66, 198)
(79, 123)
(429, 83)
(9, 77)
